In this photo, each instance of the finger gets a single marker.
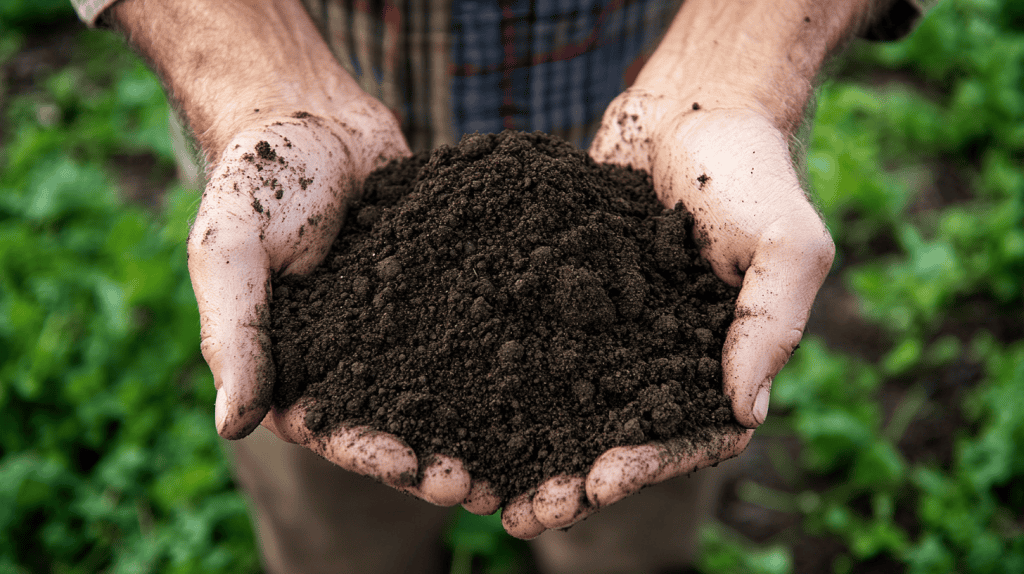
(359, 449)
(562, 501)
(228, 268)
(481, 499)
(270, 423)
(733, 171)
(623, 471)
(519, 520)
(789, 265)
(274, 202)
(445, 481)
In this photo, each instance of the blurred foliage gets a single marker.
(479, 544)
(108, 457)
(28, 14)
(725, 554)
(917, 163)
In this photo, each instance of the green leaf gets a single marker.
(904, 357)
(878, 466)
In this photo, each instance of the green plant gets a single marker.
(22, 14)
(932, 279)
(971, 512)
(481, 541)
(722, 553)
(109, 461)
(107, 455)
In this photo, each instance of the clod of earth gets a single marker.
(511, 303)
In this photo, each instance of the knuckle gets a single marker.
(207, 344)
(802, 238)
(782, 350)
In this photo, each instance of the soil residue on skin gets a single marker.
(511, 303)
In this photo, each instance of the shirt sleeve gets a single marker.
(90, 10)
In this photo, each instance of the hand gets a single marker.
(732, 169)
(291, 136)
(274, 204)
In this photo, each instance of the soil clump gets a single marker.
(511, 303)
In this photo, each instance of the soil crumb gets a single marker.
(511, 303)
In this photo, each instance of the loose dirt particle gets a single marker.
(266, 152)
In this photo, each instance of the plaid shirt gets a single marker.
(451, 67)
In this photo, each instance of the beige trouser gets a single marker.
(315, 518)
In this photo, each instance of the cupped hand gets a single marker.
(275, 201)
(731, 168)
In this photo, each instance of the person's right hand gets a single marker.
(290, 137)
(274, 204)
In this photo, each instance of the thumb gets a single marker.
(230, 277)
(788, 267)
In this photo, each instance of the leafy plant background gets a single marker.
(894, 441)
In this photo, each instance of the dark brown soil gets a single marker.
(511, 303)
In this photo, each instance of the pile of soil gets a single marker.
(511, 303)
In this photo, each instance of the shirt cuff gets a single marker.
(90, 10)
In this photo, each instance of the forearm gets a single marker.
(760, 53)
(227, 64)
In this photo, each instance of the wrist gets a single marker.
(761, 55)
(232, 65)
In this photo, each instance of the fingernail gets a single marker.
(760, 411)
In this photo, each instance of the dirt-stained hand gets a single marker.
(732, 169)
(275, 201)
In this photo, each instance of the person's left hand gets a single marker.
(731, 168)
